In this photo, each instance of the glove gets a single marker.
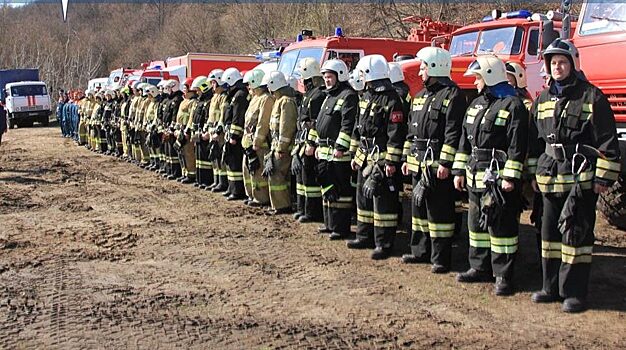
(422, 187)
(371, 187)
(269, 165)
(296, 165)
(252, 159)
(215, 151)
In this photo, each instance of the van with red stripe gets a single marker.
(27, 102)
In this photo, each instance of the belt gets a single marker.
(326, 142)
(487, 154)
(561, 152)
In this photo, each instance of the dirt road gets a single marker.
(97, 253)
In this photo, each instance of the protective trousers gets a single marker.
(143, 148)
(338, 215)
(494, 250)
(125, 142)
(102, 139)
(433, 223)
(309, 194)
(256, 184)
(220, 178)
(188, 161)
(566, 265)
(172, 166)
(204, 168)
(279, 182)
(377, 218)
(82, 132)
(234, 170)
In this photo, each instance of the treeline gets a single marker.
(100, 37)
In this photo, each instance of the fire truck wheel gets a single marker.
(612, 204)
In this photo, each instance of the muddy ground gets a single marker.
(97, 253)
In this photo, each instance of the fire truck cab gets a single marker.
(348, 49)
(512, 36)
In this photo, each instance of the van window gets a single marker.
(533, 42)
(28, 90)
(349, 58)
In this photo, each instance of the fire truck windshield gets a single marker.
(501, 41)
(289, 59)
(603, 17)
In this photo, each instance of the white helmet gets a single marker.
(87, 92)
(152, 91)
(373, 67)
(308, 68)
(173, 85)
(231, 76)
(109, 92)
(136, 85)
(338, 67)
(490, 68)
(145, 89)
(197, 82)
(438, 60)
(275, 80)
(395, 72)
(515, 69)
(161, 85)
(356, 81)
(292, 81)
(216, 75)
(254, 78)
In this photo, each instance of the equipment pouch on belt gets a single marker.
(269, 165)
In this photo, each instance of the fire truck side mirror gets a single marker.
(548, 34)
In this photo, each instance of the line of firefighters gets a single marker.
(350, 137)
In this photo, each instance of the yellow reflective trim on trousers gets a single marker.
(300, 189)
(575, 251)
(502, 245)
(365, 216)
(385, 223)
(277, 188)
(440, 230)
(380, 216)
(339, 205)
(418, 224)
(479, 239)
(551, 250)
(580, 259)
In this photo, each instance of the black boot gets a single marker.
(503, 286)
(359, 243)
(473, 275)
(544, 297)
(380, 253)
(573, 305)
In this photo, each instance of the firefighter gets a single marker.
(516, 75)
(170, 111)
(136, 123)
(237, 102)
(491, 155)
(197, 122)
(574, 144)
(150, 122)
(144, 150)
(334, 126)
(303, 163)
(215, 131)
(255, 140)
(185, 149)
(84, 118)
(282, 133)
(105, 119)
(380, 131)
(94, 120)
(164, 100)
(434, 130)
(397, 80)
(127, 91)
(135, 99)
